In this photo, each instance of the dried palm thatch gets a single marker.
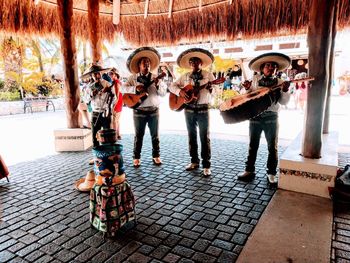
(184, 22)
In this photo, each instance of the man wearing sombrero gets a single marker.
(140, 63)
(196, 112)
(100, 94)
(267, 65)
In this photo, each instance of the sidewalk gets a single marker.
(182, 217)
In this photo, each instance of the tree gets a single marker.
(12, 52)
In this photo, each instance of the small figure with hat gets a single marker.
(118, 102)
(112, 202)
(101, 96)
(267, 65)
(197, 111)
(140, 63)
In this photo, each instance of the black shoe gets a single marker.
(157, 161)
(192, 166)
(272, 179)
(246, 176)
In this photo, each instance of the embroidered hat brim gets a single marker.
(85, 184)
(282, 60)
(184, 58)
(148, 52)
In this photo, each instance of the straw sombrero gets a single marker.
(85, 184)
(282, 60)
(148, 52)
(94, 69)
(184, 58)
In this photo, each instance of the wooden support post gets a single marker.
(94, 29)
(319, 41)
(331, 70)
(72, 93)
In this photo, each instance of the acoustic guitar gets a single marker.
(134, 100)
(177, 103)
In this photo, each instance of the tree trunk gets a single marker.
(319, 41)
(37, 50)
(72, 93)
(331, 70)
(94, 28)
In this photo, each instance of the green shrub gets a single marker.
(10, 96)
(221, 96)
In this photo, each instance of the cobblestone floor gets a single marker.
(182, 217)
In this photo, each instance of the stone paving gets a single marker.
(182, 217)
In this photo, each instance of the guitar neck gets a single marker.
(292, 81)
(153, 80)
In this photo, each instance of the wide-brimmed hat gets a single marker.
(143, 52)
(184, 58)
(94, 68)
(283, 61)
(85, 184)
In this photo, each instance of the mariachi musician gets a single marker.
(101, 96)
(267, 65)
(197, 111)
(140, 63)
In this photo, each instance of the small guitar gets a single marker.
(134, 100)
(177, 103)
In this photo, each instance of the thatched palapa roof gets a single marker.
(168, 22)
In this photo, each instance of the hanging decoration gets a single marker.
(300, 62)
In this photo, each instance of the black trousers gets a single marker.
(141, 119)
(267, 122)
(198, 118)
(98, 120)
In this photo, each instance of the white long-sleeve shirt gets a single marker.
(99, 101)
(153, 93)
(204, 95)
(283, 100)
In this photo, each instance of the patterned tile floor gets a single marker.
(182, 217)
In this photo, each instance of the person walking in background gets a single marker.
(196, 112)
(267, 64)
(140, 63)
(118, 101)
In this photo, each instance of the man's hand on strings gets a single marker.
(247, 84)
(139, 88)
(184, 95)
